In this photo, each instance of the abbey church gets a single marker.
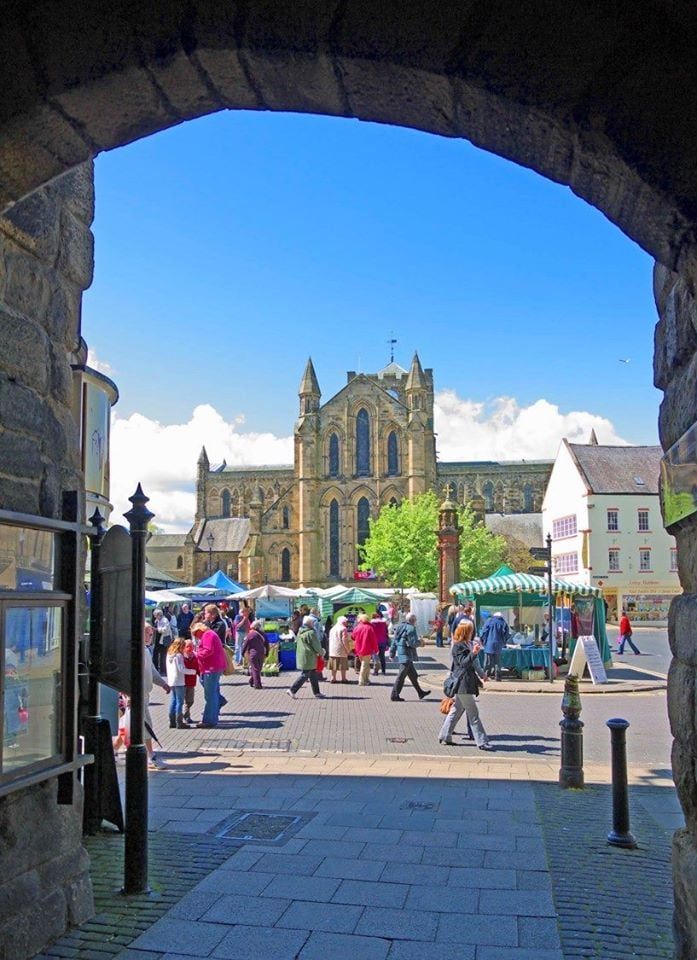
(369, 445)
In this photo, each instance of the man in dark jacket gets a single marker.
(404, 646)
(494, 637)
(184, 618)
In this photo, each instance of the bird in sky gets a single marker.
(624, 361)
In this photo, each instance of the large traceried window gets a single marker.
(285, 565)
(285, 518)
(334, 550)
(225, 503)
(488, 494)
(528, 498)
(362, 521)
(362, 444)
(334, 462)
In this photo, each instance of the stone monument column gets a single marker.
(448, 546)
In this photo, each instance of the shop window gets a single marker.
(334, 552)
(334, 464)
(644, 559)
(643, 520)
(564, 527)
(225, 503)
(613, 519)
(392, 454)
(674, 559)
(285, 565)
(362, 444)
(613, 559)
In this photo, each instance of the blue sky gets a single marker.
(259, 238)
(230, 248)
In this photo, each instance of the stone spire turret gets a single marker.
(593, 440)
(416, 379)
(309, 391)
(203, 467)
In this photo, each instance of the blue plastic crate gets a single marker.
(286, 658)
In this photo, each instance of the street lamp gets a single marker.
(210, 540)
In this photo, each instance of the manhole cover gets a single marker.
(399, 739)
(257, 826)
(419, 805)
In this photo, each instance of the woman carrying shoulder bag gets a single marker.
(470, 678)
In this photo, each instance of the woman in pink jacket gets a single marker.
(211, 663)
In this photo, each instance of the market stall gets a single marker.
(522, 599)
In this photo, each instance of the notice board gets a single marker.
(588, 652)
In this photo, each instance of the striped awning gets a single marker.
(521, 583)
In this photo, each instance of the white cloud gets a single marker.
(163, 458)
(503, 430)
(101, 366)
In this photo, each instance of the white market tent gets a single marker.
(267, 592)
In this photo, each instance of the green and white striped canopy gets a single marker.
(521, 583)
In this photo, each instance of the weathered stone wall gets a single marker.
(675, 372)
(45, 264)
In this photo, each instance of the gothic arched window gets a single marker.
(235, 504)
(488, 494)
(225, 503)
(362, 521)
(528, 498)
(285, 518)
(334, 554)
(393, 502)
(392, 454)
(333, 456)
(285, 565)
(180, 562)
(362, 444)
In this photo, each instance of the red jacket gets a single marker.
(190, 663)
(625, 625)
(364, 640)
(380, 630)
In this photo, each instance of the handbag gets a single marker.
(446, 704)
(319, 666)
(450, 684)
(229, 661)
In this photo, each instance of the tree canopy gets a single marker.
(403, 544)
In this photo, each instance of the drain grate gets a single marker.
(419, 805)
(269, 827)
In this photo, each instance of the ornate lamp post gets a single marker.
(448, 545)
(210, 540)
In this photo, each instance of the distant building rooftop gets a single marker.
(618, 469)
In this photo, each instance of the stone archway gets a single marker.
(600, 99)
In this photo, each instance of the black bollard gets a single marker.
(620, 835)
(571, 770)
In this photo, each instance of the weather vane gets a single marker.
(392, 343)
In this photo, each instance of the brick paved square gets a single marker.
(533, 880)
(442, 899)
(293, 864)
(226, 881)
(344, 869)
(518, 903)
(330, 917)
(190, 938)
(334, 848)
(398, 924)
(194, 904)
(243, 859)
(515, 860)
(317, 889)
(443, 857)
(477, 929)
(422, 838)
(410, 950)
(341, 946)
(374, 834)
(415, 873)
(371, 894)
(472, 877)
(241, 909)
(538, 932)
(393, 852)
(260, 943)
(517, 953)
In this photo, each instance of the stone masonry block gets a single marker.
(675, 339)
(61, 376)
(21, 409)
(22, 496)
(19, 455)
(686, 540)
(76, 250)
(678, 410)
(33, 224)
(681, 703)
(28, 284)
(304, 82)
(682, 629)
(39, 923)
(64, 313)
(24, 351)
(684, 764)
(685, 884)
(74, 191)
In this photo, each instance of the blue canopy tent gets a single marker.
(220, 581)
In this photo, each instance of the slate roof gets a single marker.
(617, 469)
(167, 540)
(230, 534)
(526, 527)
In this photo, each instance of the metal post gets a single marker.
(135, 872)
(92, 782)
(571, 770)
(552, 623)
(620, 835)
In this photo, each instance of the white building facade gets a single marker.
(603, 512)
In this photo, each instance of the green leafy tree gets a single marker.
(403, 544)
